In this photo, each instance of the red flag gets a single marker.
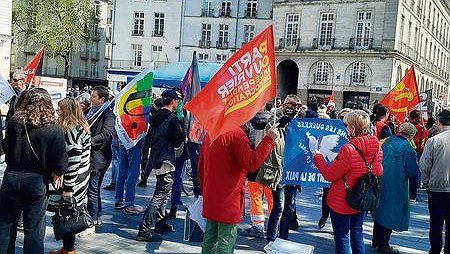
(239, 89)
(331, 100)
(34, 66)
(403, 97)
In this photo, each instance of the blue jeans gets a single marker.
(115, 160)
(194, 152)
(275, 214)
(348, 232)
(175, 199)
(439, 208)
(129, 162)
(94, 204)
(289, 209)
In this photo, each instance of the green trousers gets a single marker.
(219, 238)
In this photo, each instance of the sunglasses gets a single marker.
(15, 80)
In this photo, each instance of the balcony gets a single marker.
(208, 12)
(95, 55)
(84, 73)
(129, 64)
(158, 33)
(291, 44)
(323, 44)
(222, 44)
(360, 43)
(137, 33)
(204, 44)
(84, 54)
(250, 13)
(225, 13)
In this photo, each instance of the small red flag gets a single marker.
(331, 100)
(403, 97)
(33, 67)
(239, 89)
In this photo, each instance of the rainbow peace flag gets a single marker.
(132, 108)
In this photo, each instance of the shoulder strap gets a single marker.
(29, 142)
(368, 166)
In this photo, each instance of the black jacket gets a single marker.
(166, 135)
(48, 142)
(101, 135)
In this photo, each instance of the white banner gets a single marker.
(6, 91)
(56, 87)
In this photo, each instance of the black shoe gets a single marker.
(322, 222)
(142, 183)
(148, 237)
(173, 213)
(111, 187)
(119, 205)
(293, 225)
(164, 228)
(387, 250)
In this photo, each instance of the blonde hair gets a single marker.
(70, 114)
(359, 120)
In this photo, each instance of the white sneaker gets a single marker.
(87, 232)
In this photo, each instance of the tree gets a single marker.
(58, 25)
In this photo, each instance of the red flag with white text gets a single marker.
(34, 66)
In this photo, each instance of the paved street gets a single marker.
(119, 230)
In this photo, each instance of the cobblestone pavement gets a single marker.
(119, 230)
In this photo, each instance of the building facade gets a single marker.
(5, 37)
(87, 63)
(360, 49)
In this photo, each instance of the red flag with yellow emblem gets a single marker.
(404, 97)
(239, 89)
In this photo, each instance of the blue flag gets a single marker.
(304, 135)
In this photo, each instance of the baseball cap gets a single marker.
(170, 94)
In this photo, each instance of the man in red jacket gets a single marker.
(223, 166)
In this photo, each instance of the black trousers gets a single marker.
(69, 243)
(325, 207)
(439, 208)
(27, 193)
(155, 213)
(381, 235)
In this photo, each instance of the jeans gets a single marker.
(27, 193)
(94, 204)
(348, 228)
(115, 160)
(175, 199)
(129, 161)
(381, 235)
(275, 215)
(194, 153)
(288, 211)
(439, 208)
(219, 238)
(155, 213)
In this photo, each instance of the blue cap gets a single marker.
(170, 94)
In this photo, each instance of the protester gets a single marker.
(399, 165)
(431, 127)
(175, 197)
(434, 166)
(382, 130)
(19, 86)
(223, 165)
(115, 162)
(101, 121)
(35, 154)
(331, 110)
(415, 117)
(349, 164)
(78, 143)
(322, 111)
(85, 103)
(167, 135)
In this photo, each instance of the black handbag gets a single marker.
(70, 220)
(365, 195)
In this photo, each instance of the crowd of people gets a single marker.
(62, 155)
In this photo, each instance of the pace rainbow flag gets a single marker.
(132, 108)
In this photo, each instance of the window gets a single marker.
(159, 25)
(137, 55)
(206, 36)
(409, 34)
(292, 29)
(322, 71)
(138, 23)
(223, 36)
(358, 76)
(156, 52)
(202, 57)
(94, 69)
(326, 29)
(221, 59)
(363, 29)
(208, 10)
(249, 33)
(226, 9)
(251, 8)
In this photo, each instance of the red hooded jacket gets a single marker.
(349, 163)
(222, 168)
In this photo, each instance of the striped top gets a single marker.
(76, 177)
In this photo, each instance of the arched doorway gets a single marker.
(287, 78)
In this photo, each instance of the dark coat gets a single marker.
(101, 135)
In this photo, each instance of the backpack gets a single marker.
(365, 195)
(270, 173)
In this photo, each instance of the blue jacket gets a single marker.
(399, 164)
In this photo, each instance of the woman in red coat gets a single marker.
(347, 222)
